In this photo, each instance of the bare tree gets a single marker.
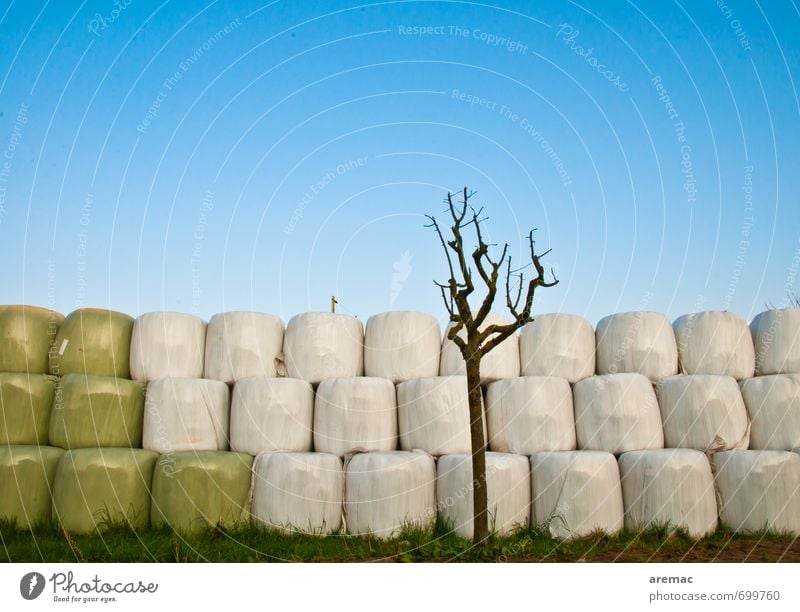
(480, 339)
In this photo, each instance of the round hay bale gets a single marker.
(320, 345)
(26, 480)
(93, 341)
(499, 363)
(402, 345)
(560, 345)
(773, 405)
(27, 335)
(530, 414)
(26, 404)
(299, 492)
(714, 342)
(242, 345)
(641, 342)
(272, 414)
(167, 345)
(355, 415)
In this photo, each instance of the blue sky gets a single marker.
(199, 157)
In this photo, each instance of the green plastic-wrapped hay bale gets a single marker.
(27, 333)
(26, 402)
(93, 341)
(194, 490)
(26, 481)
(98, 411)
(98, 487)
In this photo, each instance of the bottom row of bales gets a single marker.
(570, 493)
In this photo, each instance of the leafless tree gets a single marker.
(480, 338)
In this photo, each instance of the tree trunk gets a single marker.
(479, 496)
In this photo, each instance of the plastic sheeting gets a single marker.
(93, 341)
(192, 491)
(773, 405)
(385, 492)
(641, 342)
(704, 412)
(530, 414)
(355, 415)
(183, 414)
(320, 345)
(499, 363)
(508, 489)
(272, 414)
(560, 345)
(617, 413)
(242, 344)
(672, 487)
(167, 345)
(26, 479)
(402, 345)
(98, 411)
(576, 493)
(26, 403)
(27, 333)
(758, 490)
(299, 492)
(433, 415)
(776, 336)
(714, 342)
(96, 488)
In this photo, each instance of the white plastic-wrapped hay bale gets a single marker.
(385, 492)
(714, 342)
(641, 342)
(272, 414)
(167, 345)
(704, 412)
(26, 480)
(320, 345)
(672, 487)
(575, 493)
(299, 492)
(773, 405)
(560, 345)
(501, 362)
(241, 345)
(95, 488)
(758, 490)
(508, 489)
(530, 414)
(617, 413)
(355, 414)
(776, 338)
(402, 345)
(186, 414)
(433, 415)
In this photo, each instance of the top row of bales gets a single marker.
(398, 345)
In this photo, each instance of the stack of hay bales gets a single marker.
(107, 420)
(27, 391)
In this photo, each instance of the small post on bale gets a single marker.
(333, 304)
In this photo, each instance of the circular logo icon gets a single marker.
(31, 585)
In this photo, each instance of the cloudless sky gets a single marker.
(213, 156)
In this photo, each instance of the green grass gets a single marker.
(256, 544)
